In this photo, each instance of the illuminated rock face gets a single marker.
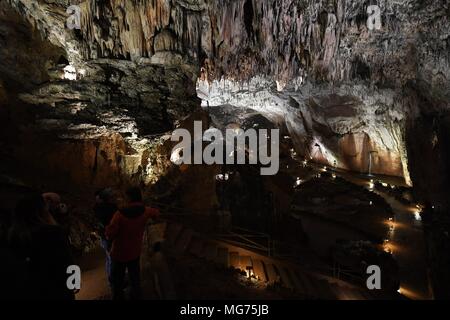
(92, 123)
(83, 105)
(312, 66)
(320, 40)
(342, 126)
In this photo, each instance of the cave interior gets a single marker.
(363, 122)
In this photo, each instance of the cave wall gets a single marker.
(102, 126)
(278, 47)
(430, 159)
(104, 95)
(428, 150)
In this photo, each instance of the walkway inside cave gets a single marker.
(407, 241)
(407, 244)
(409, 250)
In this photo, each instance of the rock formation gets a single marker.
(93, 103)
(314, 64)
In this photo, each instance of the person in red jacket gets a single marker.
(126, 232)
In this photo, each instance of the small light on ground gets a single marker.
(223, 177)
(298, 182)
(417, 216)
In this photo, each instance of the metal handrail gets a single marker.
(335, 271)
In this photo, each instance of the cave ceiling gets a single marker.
(138, 68)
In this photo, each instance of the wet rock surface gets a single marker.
(313, 65)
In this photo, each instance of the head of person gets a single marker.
(134, 194)
(53, 201)
(105, 196)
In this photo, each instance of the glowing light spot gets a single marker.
(417, 215)
(293, 153)
(223, 177)
(70, 73)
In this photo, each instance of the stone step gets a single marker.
(298, 284)
(223, 257)
(344, 293)
(162, 277)
(245, 263)
(324, 290)
(272, 274)
(258, 269)
(366, 294)
(285, 278)
(184, 240)
(351, 294)
(308, 284)
(172, 232)
(234, 260)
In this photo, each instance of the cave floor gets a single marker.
(182, 272)
(325, 225)
(409, 250)
(171, 275)
(407, 241)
